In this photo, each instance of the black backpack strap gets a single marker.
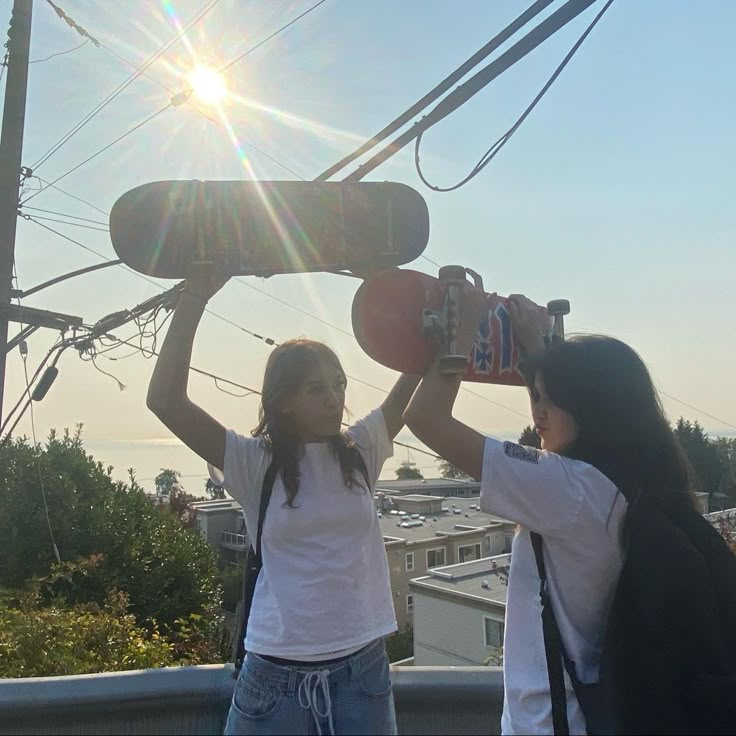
(253, 564)
(361, 467)
(553, 647)
(268, 480)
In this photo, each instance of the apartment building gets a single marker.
(222, 526)
(459, 613)
(423, 532)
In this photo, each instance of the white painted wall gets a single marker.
(449, 632)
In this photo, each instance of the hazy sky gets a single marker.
(616, 193)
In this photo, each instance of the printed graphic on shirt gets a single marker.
(519, 452)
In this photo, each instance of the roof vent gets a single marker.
(484, 584)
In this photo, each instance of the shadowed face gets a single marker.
(315, 410)
(556, 427)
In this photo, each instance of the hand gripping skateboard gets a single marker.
(400, 316)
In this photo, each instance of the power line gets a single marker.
(293, 306)
(273, 35)
(30, 218)
(75, 224)
(700, 411)
(478, 81)
(491, 153)
(120, 88)
(252, 391)
(45, 184)
(246, 141)
(60, 53)
(105, 148)
(64, 214)
(441, 88)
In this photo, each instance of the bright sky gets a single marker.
(616, 193)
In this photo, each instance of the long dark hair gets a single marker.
(287, 367)
(623, 431)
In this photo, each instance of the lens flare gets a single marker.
(208, 85)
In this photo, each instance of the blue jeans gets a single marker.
(352, 696)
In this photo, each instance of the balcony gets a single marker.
(237, 542)
(194, 700)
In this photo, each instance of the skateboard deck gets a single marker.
(268, 227)
(388, 314)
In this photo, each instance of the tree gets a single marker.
(180, 504)
(703, 455)
(407, 472)
(43, 634)
(167, 481)
(213, 490)
(167, 571)
(448, 470)
(40, 641)
(726, 450)
(400, 645)
(530, 438)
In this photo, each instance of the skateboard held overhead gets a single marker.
(268, 227)
(399, 316)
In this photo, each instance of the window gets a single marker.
(493, 631)
(468, 552)
(409, 603)
(435, 557)
(507, 540)
(409, 561)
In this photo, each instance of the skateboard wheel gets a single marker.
(558, 307)
(451, 365)
(452, 273)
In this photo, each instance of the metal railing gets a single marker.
(234, 540)
(195, 700)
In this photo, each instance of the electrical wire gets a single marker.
(24, 357)
(491, 153)
(74, 224)
(64, 214)
(252, 391)
(103, 149)
(273, 35)
(246, 141)
(45, 184)
(139, 71)
(60, 53)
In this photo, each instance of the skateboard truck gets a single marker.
(442, 325)
(557, 309)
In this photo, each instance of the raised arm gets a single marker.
(167, 392)
(429, 414)
(429, 417)
(396, 401)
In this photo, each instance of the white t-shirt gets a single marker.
(324, 587)
(578, 511)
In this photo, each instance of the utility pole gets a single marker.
(11, 149)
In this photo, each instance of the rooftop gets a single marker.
(483, 579)
(223, 504)
(469, 517)
(417, 484)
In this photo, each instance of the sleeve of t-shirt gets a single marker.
(540, 490)
(246, 463)
(371, 438)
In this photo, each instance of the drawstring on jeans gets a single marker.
(308, 697)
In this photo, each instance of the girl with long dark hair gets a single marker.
(606, 445)
(316, 660)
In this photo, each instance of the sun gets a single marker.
(208, 85)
